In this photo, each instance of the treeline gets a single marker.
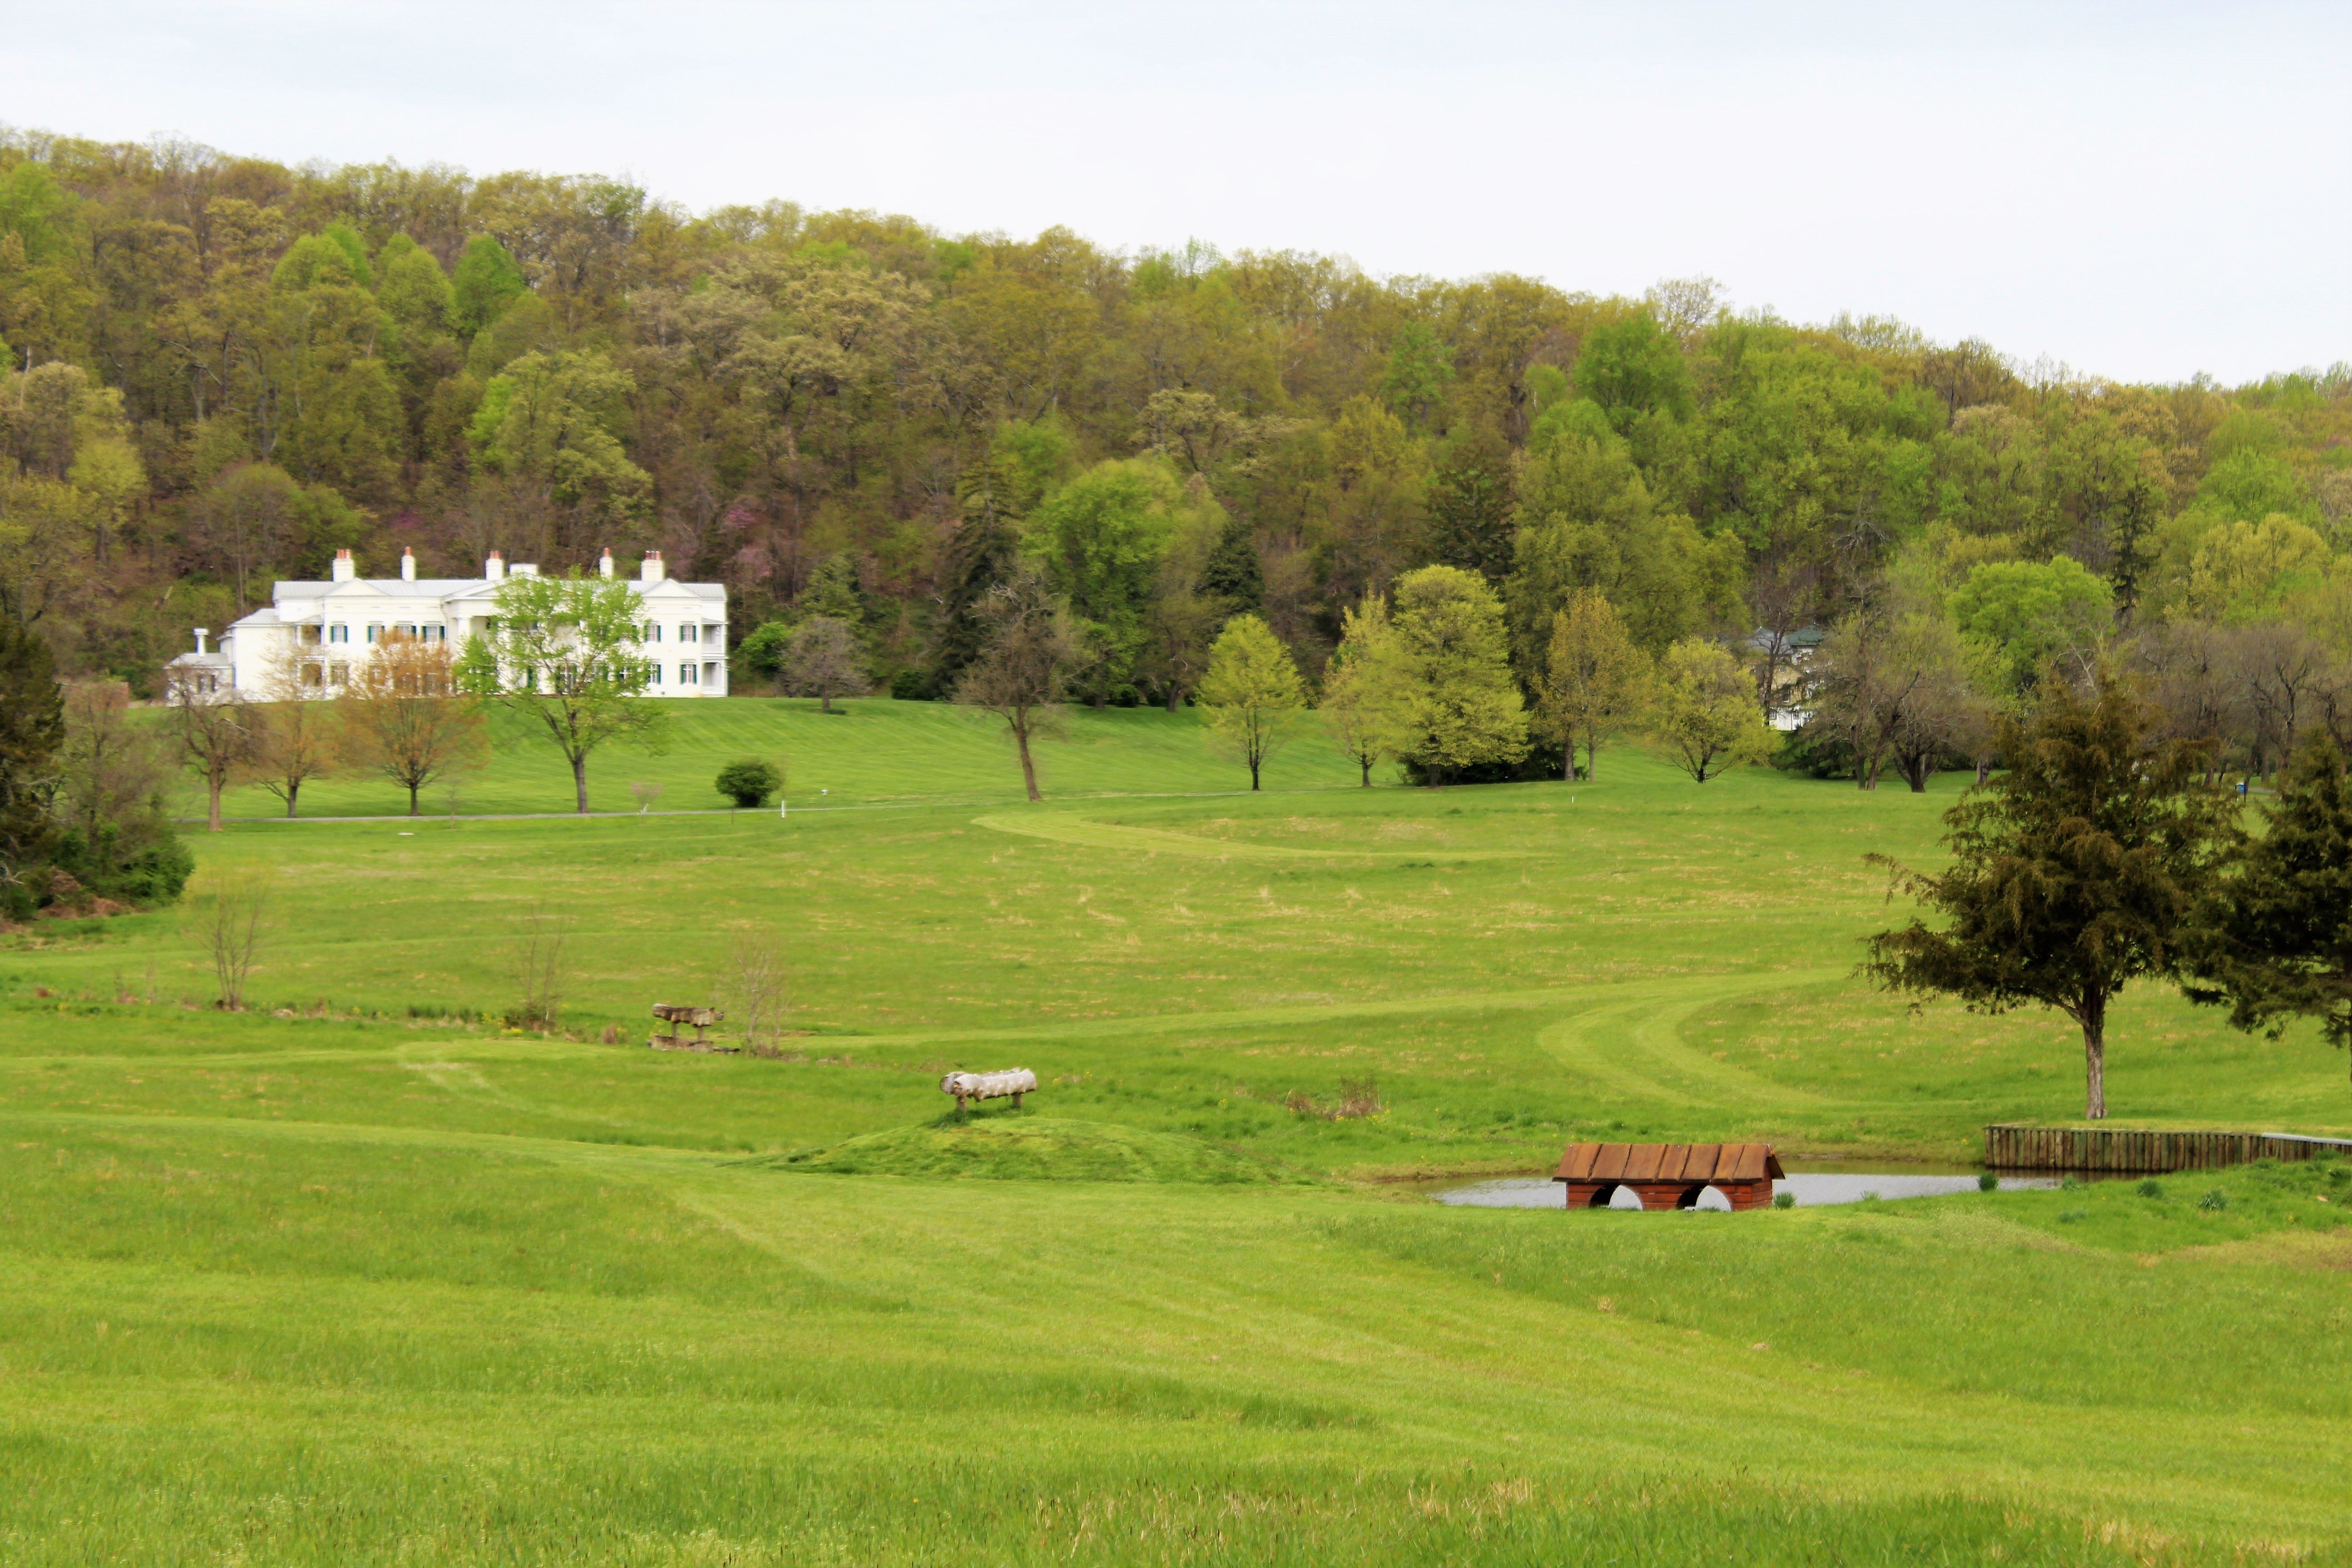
(224, 369)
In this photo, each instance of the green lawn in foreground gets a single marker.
(371, 1282)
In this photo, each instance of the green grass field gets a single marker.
(869, 752)
(363, 1276)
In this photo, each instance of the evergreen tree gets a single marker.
(832, 593)
(32, 728)
(1232, 578)
(2072, 874)
(980, 553)
(2275, 941)
(1472, 508)
(2131, 535)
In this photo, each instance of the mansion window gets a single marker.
(685, 634)
(339, 634)
(685, 674)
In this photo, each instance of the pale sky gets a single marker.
(2142, 191)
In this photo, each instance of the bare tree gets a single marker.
(824, 661)
(645, 792)
(218, 735)
(2189, 667)
(2283, 668)
(538, 955)
(759, 992)
(1863, 690)
(1784, 599)
(1941, 713)
(295, 739)
(1020, 676)
(402, 717)
(230, 925)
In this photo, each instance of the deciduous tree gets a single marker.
(296, 740)
(824, 661)
(1362, 705)
(217, 733)
(1021, 673)
(1704, 711)
(564, 651)
(1251, 695)
(404, 717)
(1593, 677)
(1448, 649)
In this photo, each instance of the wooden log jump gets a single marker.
(2125, 1151)
(1668, 1175)
(964, 1085)
(701, 1018)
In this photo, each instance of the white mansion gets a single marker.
(321, 628)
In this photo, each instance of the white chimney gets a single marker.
(495, 568)
(604, 566)
(407, 564)
(651, 571)
(202, 633)
(346, 570)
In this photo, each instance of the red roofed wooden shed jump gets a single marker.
(1669, 1175)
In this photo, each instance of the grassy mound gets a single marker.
(1013, 1147)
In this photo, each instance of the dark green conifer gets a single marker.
(32, 728)
(2074, 873)
(2275, 941)
(1232, 577)
(1471, 510)
(981, 553)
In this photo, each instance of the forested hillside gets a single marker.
(223, 369)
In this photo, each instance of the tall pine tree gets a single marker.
(982, 551)
(2274, 942)
(1232, 577)
(32, 728)
(1472, 508)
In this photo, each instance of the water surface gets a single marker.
(1811, 1187)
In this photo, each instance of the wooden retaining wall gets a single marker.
(2014, 1146)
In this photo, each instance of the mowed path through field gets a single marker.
(476, 1288)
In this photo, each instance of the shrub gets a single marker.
(748, 782)
(914, 686)
(1784, 1200)
(2150, 1187)
(2071, 1216)
(761, 651)
(2214, 1202)
(1988, 1183)
(118, 866)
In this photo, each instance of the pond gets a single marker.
(1819, 1184)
